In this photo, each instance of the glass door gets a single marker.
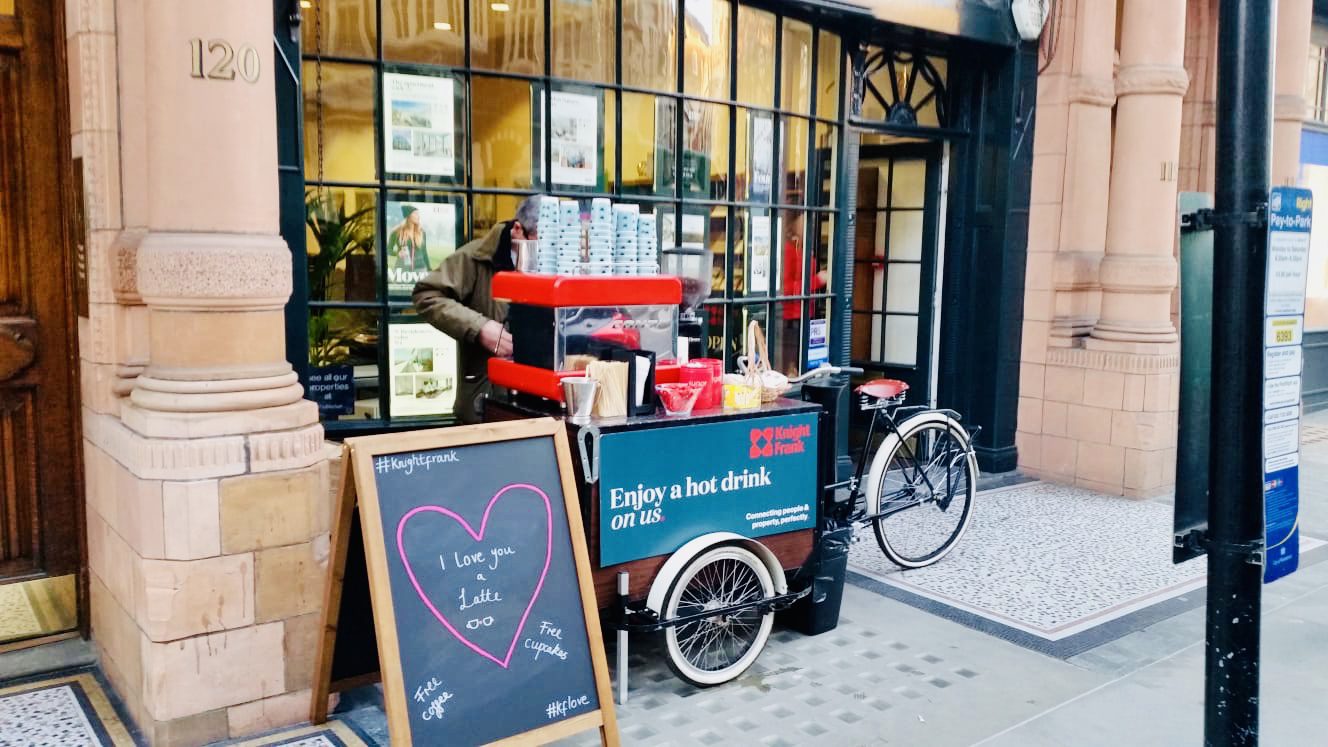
(895, 258)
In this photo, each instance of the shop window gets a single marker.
(756, 55)
(795, 78)
(503, 151)
(340, 28)
(829, 71)
(429, 33)
(706, 48)
(339, 122)
(1316, 84)
(793, 184)
(341, 227)
(650, 44)
(583, 42)
(433, 135)
(507, 36)
(649, 139)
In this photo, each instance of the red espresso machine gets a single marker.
(561, 323)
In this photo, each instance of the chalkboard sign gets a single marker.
(482, 598)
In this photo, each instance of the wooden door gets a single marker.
(41, 523)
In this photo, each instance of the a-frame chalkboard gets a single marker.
(470, 544)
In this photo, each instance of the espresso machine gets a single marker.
(691, 264)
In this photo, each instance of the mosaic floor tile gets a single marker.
(1050, 561)
(65, 711)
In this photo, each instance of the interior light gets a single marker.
(500, 7)
(442, 25)
(306, 4)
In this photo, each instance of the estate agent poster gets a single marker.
(419, 125)
(752, 476)
(698, 130)
(420, 234)
(424, 370)
(758, 250)
(574, 131)
(761, 154)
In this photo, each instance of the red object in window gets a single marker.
(558, 291)
(792, 279)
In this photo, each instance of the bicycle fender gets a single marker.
(879, 460)
(672, 567)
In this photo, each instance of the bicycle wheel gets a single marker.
(713, 650)
(925, 493)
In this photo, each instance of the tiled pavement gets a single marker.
(893, 674)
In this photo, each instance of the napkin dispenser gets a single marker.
(641, 397)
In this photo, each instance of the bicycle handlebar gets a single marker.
(826, 371)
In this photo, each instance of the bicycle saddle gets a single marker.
(882, 388)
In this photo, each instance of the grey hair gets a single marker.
(527, 213)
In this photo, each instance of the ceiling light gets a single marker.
(500, 7)
(442, 25)
(306, 4)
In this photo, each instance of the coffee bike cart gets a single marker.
(702, 525)
(699, 526)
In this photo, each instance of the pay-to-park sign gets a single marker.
(1290, 211)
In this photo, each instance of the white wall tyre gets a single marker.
(715, 650)
(926, 527)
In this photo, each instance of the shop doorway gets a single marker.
(895, 263)
(41, 523)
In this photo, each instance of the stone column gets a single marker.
(208, 508)
(1138, 273)
(1083, 225)
(1294, 19)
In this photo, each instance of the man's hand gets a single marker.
(495, 339)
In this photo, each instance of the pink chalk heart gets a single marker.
(479, 536)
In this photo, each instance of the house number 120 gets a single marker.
(225, 60)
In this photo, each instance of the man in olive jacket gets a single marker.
(457, 298)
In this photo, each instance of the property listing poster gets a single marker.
(419, 125)
(758, 249)
(424, 370)
(420, 234)
(761, 152)
(574, 138)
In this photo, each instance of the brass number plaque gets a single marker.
(216, 59)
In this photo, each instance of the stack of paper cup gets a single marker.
(599, 247)
(624, 239)
(569, 260)
(548, 230)
(647, 239)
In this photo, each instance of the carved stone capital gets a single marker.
(213, 272)
(1136, 80)
(1092, 90)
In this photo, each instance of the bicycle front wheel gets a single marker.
(925, 493)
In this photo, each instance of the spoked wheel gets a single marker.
(713, 650)
(921, 520)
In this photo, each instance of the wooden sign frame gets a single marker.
(358, 488)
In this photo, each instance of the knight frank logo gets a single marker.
(778, 440)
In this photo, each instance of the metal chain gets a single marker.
(318, 89)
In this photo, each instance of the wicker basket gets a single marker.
(759, 374)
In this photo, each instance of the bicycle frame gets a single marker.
(892, 420)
